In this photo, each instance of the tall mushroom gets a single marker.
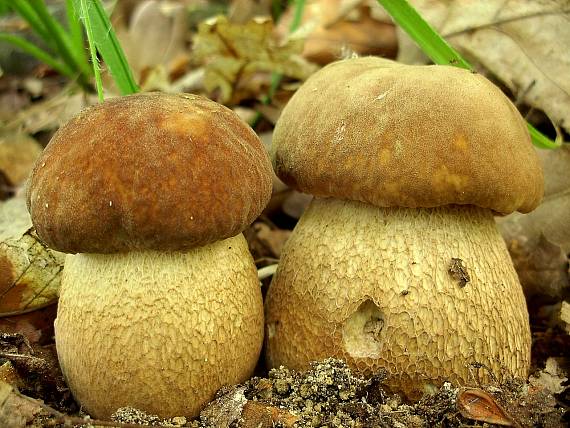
(397, 263)
(162, 305)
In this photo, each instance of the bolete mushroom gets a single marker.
(397, 262)
(162, 305)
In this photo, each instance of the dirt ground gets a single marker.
(327, 395)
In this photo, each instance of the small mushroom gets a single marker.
(397, 263)
(161, 306)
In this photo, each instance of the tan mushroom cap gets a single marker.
(388, 134)
(148, 171)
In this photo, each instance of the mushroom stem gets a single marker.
(149, 329)
(423, 293)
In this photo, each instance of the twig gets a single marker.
(504, 21)
(266, 272)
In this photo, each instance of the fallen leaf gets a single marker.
(335, 27)
(565, 316)
(478, 405)
(30, 273)
(9, 375)
(155, 42)
(18, 152)
(241, 11)
(540, 241)
(550, 378)
(36, 325)
(260, 415)
(523, 43)
(225, 410)
(233, 53)
(272, 239)
(15, 411)
(50, 114)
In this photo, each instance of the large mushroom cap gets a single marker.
(375, 131)
(148, 171)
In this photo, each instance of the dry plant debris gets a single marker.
(336, 28)
(238, 58)
(539, 242)
(30, 273)
(18, 152)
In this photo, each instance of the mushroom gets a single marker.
(161, 306)
(397, 263)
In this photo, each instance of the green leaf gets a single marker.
(92, 49)
(433, 45)
(27, 12)
(101, 35)
(38, 53)
(61, 38)
(439, 51)
(75, 32)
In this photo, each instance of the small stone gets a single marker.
(281, 386)
(305, 390)
(344, 395)
(178, 421)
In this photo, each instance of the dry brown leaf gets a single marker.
(259, 415)
(156, 37)
(30, 273)
(524, 43)
(50, 114)
(9, 375)
(18, 152)
(565, 316)
(335, 27)
(15, 411)
(550, 378)
(478, 405)
(241, 11)
(225, 410)
(540, 241)
(233, 53)
(272, 239)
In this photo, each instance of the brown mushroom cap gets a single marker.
(148, 171)
(375, 131)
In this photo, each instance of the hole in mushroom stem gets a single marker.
(362, 331)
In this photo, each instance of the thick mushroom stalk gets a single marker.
(429, 294)
(151, 329)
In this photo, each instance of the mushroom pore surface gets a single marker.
(160, 331)
(422, 292)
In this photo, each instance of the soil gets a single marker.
(327, 395)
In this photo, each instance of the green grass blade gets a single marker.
(542, 141)
(92, 49)
(38, 53)
(297, 16)
(75, 32)
(433, 45)
(106, 43)
(440, 52)
(61, 39)
(27, 12)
